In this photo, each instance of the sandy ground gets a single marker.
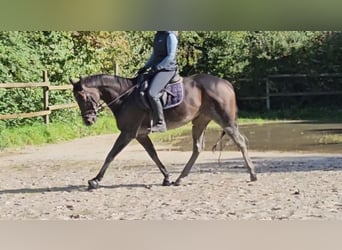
(50, 182)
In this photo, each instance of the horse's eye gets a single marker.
(82, 94)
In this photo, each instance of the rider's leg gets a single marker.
(157, 84)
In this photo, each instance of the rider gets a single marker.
(163, 66)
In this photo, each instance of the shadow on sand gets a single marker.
(275, 165)
(234, 165)
(72, 188)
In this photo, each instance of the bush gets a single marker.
(229, 54)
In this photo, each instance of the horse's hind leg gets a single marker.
(146, 142)
(198, 129)
(240, 141)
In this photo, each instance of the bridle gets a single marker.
(95, 107)
(98, 107)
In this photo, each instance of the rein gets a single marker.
(100, 106)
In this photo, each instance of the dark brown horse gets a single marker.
(206, 98)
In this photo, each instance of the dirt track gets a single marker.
(50, 182)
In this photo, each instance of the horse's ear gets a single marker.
(73, 81)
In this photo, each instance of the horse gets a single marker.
(206, 98)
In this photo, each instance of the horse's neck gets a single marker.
(113, 86)
(117, 83)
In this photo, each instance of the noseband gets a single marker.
(95, 106)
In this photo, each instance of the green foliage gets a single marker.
(225, 53)
(282, 51)
(229, 54)
(189, 52)
(19, 61)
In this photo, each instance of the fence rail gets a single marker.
(270, 78)
(47, 110)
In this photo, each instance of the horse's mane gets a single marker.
(100, 80)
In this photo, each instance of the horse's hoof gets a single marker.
(93, 184)
(166, 183)
(253, 177)
(177, 182)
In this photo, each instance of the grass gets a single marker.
(323, 114)
(37, 134)
(330, 139)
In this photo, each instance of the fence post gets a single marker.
(268, 104)
(116, 68)
(46, 96)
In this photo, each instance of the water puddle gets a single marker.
(300, 137)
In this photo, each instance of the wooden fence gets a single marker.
(268, 94)
(47, 87)
(47, 108)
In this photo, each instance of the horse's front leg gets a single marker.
(146, 142)
(120, 143)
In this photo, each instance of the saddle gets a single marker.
(171, 96)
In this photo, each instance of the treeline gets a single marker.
(229, 54)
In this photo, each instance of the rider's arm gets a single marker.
(171, 45)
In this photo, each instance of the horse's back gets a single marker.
(212, 85)
(207, 80)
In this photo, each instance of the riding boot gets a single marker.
(158, 116)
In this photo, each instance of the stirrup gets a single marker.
(158, 128)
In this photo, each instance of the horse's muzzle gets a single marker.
(89, 119)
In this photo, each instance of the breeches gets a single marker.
(159, 82)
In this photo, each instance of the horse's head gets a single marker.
(87, 99)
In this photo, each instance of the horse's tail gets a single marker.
(219, 142)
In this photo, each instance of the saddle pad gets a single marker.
(174, 95)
